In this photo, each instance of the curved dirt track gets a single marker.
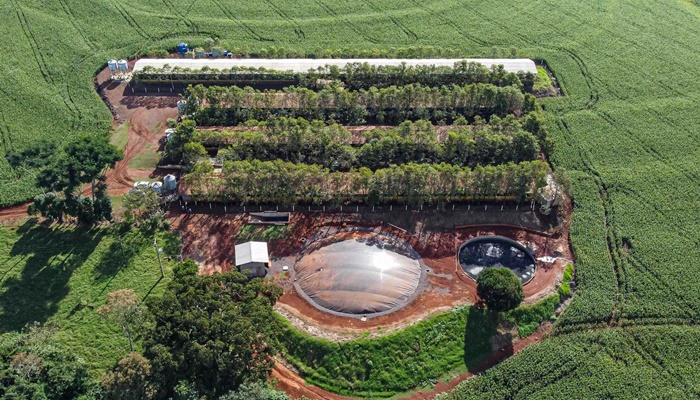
(145, 116)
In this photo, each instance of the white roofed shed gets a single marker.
(252, 258)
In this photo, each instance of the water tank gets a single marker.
(170, 182)
(157, 187)
(199, 52)
(182, 48)
(112, 65)
(181, 105)
(122, 65)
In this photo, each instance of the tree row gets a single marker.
(217, 105)
(335, 148)
(353, 76)
(251, 182)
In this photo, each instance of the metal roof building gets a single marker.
(304, 64)
(251, 252)
(252, 258)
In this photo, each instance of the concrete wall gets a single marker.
(253, 269)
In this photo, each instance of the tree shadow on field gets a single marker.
(481, 336)
(51, 255)
(125, 246)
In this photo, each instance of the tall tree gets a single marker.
(212, 331)
(129, 380)
(500, 289)
(123, 308)
(83, 160)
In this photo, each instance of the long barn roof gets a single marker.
(304, 64)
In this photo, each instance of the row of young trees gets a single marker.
(332, 146)
(217, 105)
(250, 182)
(353, 76)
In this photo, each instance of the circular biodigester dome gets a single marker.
(358, 274)
(496, 251)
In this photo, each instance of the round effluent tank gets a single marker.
(112, 65)
(359, 274)
(170, 182)
(496, 251)
(182, 48)
(122, 65)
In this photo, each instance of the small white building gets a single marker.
(252, 259)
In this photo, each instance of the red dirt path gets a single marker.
(146, 116)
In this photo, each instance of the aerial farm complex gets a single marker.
(400, 199)
(372, 191)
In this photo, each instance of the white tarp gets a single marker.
(304, 64)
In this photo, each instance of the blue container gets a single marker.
(182, 48)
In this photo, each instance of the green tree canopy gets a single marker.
(255, 391)
(34, 366)
(129, 380)
(500, 289)
(83, 160)
(213, 331)
(123, 308)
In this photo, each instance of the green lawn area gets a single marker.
(120, 136)
(62, 275)
(147, 160)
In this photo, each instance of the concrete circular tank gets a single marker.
(359, 274)
(496, 251)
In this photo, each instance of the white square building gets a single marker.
(252, 259)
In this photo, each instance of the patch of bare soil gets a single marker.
(209, 239)
(13, 214)
(146, 114)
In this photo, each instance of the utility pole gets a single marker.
(158, 252)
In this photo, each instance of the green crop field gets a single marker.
(627, 129)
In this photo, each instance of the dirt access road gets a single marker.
(144, 114)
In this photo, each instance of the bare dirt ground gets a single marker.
(146, 115)
(209, 239)
(13, 214)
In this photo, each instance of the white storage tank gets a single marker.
(112, 65)
(157, 187)
(122, 65)
(170, 182)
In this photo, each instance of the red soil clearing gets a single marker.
(146, 116)
(210, 240)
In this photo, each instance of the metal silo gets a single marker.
(112, 65)
(122, 65)
(170, 182)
